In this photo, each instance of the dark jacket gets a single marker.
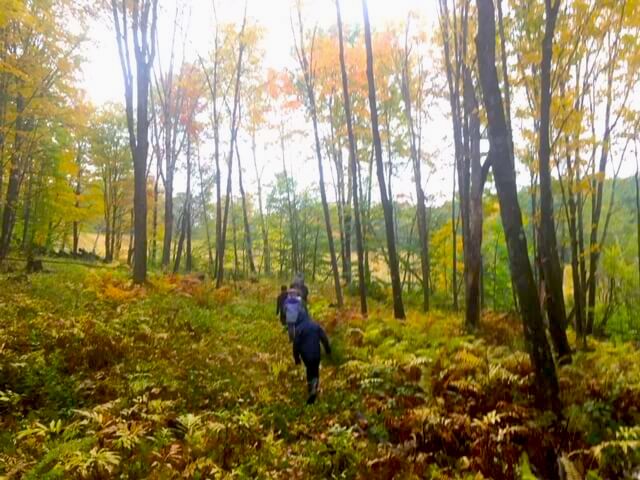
(303, 289)
(307, 341)
(279, 304)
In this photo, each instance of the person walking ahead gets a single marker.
(293, 308)
(280, 305)
(306, 345)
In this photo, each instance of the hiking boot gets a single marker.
(313, 391)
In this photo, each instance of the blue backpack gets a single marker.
(292, 309)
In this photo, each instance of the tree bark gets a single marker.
(143, 33)
(362, 283)
(233, 135)
(245, 218)
(309, 84)
(547, 246)
(473, 242)
(189, 259)
(421, 212)
(398, 307)
(15, 175)
(266, 251)
(637, 177)
(546, 378)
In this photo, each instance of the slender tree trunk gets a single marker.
(473, 241)
(180, 245)
(27, 207)
(234, 234)
(189, 259)
(353, 168)
(13, 187)
(205, 217)
(154, 228)
(638, 212)
(454, 243)
(132, 235)
(453, 66)
(548, 248)
(421, 212)
(266, 251)
(597, 187)
(77, 192)
(309, 82)
(143, 26)
(291, 207)
(234, 133)
(521, 272)
(398, 307)
(245, 217)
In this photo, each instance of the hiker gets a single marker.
(298, 284)
(292, 307)
(280, 305)
(306, 345)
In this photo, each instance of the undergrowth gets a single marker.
(99, 379)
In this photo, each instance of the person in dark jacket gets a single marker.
(280, 305)
(298, 284)
(306, 345)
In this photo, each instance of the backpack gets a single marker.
(292, 310)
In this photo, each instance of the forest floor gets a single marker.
(100, 379)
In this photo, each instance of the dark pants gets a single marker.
(313, 373)
(291, 329)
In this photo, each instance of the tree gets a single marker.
(504, 175)
(142, 31)
(308, 73)
(111, 157)
(421, 210)
(548, 249)
(171, 92)
(220, 247)
(362, 285)
(38, 59)
(398, 307)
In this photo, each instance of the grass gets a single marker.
(100, 379)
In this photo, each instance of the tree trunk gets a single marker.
(473, 241)
(245, 218)
(597, 187)
(454, 243)
(421, 212)
(291, 208)
(398, 307)
(234, 234)
(13, 188)
(266, 252)
(547, 247)
(504, 175)
(189, 259)
(638, 211)
(353, 168)
(168, 218)
(154, 228)
(27, 207)
(205, 217)
(309, 79)
(143, 26)
(234, 133)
